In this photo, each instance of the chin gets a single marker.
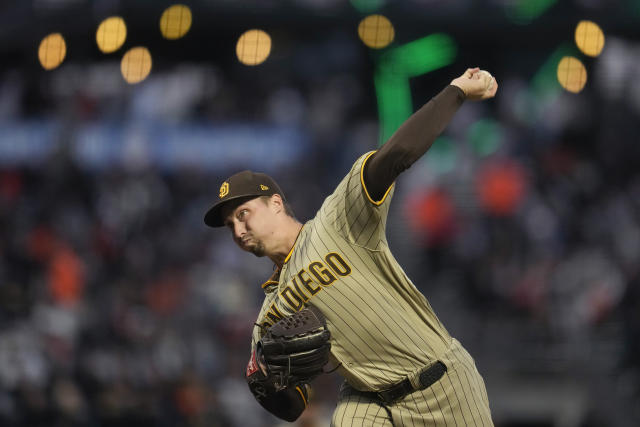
(257, 251)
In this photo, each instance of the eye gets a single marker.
(242, 214)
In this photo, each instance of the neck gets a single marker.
(289, 236)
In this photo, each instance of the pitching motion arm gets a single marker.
(416, 135)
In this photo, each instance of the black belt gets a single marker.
(427, 377)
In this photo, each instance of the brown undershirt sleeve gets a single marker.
(412, 139)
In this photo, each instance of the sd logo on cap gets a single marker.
(224, 189)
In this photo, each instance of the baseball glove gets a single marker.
(295, 349)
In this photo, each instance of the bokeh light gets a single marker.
(253, 47)
(111, 34)
(501, 187)
(136, 64)
(432, 216)
(485, 136)
(572, 75)
(175, 21)
(589, 38)
(376, 31)
(442, 156)
(52, 51)
(526, 11)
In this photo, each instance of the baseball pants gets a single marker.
(459, 398)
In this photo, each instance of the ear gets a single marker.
(277, 202)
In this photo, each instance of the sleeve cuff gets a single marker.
(364, 187)
(460, 95)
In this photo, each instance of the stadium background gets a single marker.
(522, 224)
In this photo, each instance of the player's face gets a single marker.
(250, 224)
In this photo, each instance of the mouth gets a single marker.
(249, 244)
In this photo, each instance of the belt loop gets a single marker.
(414, 379)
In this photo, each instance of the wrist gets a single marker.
(460, 91)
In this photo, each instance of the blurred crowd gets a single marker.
(118, 307)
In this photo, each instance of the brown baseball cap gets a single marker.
(242, 184)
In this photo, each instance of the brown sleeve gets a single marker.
(412, 139)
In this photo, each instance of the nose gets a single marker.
(239, 230)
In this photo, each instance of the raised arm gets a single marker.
(418, 132)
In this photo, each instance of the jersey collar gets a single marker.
(293, 247)
(272, 282)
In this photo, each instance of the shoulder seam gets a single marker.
(364, 187)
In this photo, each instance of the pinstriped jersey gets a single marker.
(382, 327)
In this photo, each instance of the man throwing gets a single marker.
(400, 365)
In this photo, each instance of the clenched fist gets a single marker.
(477, 84)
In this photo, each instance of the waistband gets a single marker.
(426, 378)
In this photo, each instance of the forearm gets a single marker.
(411, 141)
(285, 403)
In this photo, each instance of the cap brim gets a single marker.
(213, 217)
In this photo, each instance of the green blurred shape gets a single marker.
(442, 156)
(546, 78)
(485, 136)
(634, 5)
(367, 6)
(421, 56)
(394, 101)
(525, 11)
(396, 67)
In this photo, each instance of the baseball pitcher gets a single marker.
(339, 295)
